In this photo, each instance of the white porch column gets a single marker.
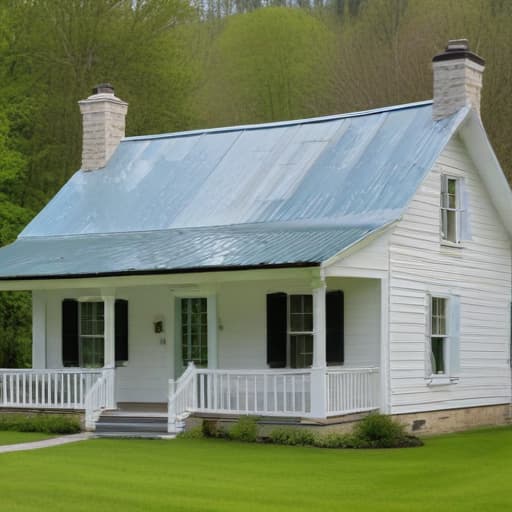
(110, 340)
(110, 349)
(385, 377)
(38, 329)
(211, 308)
(318, 371)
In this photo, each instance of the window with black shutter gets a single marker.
(121, 330)
(70, 350)
(83, 333)
(334, 320)
(277, 327)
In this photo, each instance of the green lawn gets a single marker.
(467, 472)
(7, 437)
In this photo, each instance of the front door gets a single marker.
(194, 331)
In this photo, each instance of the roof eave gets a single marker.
(482, 154)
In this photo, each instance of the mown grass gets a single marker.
(21, 437)
(464, 472)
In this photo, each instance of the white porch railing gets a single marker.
(182, 398)
(99, 397)
(261, 392)
(59, 389)
(351, 390)
(270, 392)
(91, 390)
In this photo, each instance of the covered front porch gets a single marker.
(210, 343)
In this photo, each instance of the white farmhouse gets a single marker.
(307, 269)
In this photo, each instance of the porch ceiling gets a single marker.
(176, 250)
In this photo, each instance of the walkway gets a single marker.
(47, 443)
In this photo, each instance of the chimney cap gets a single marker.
(105, 88)
(458, 49)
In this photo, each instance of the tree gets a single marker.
(267, 65)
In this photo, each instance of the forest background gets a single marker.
(195, 64)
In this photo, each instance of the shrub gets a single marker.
(46, 423)
(193, 433)
(381, 431)
(292, 437)
(245, 429)
(335, 440)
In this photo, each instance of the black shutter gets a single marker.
(276, 330)
(70, 332)
(121, 329)
(335, 320)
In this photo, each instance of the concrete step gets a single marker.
(131, 427)
(104, 418)
(133, 435)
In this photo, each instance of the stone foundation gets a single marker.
(419, 423)
(455, 420)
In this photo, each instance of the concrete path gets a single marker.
(47, 443)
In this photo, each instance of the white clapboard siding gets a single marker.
(372, 256)
(480, 273)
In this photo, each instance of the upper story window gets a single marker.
(451, 209)
(455, 221)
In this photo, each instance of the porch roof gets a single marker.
(176, 250)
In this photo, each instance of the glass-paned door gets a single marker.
(194, 331)
(92, 334)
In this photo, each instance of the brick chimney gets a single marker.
(103, 126)
(457, 79)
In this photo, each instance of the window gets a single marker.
(438, 336)
(300, 330)
(290, 329)
(91, 334)
(194, 331)
(450, 209)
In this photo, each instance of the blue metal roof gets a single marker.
(223, 247)
(331, 177)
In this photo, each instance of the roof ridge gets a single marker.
(279, 124)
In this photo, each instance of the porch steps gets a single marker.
(124, 424)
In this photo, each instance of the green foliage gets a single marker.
(10, 437)
(192, 433)
(467, 472)
(381, 431)
(46, 423)
(267, 65)
(211, 428)
(335, 440)
(245, 429)
(293, 437)
(15, 330)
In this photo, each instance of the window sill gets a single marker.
(454, 245)
(441, 380)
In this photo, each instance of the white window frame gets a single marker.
(444, 336)
(445, 208)
(291, 332)
(81, 302)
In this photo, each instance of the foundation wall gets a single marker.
(420, 423)
(455, 420)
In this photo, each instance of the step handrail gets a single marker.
(182, 398)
